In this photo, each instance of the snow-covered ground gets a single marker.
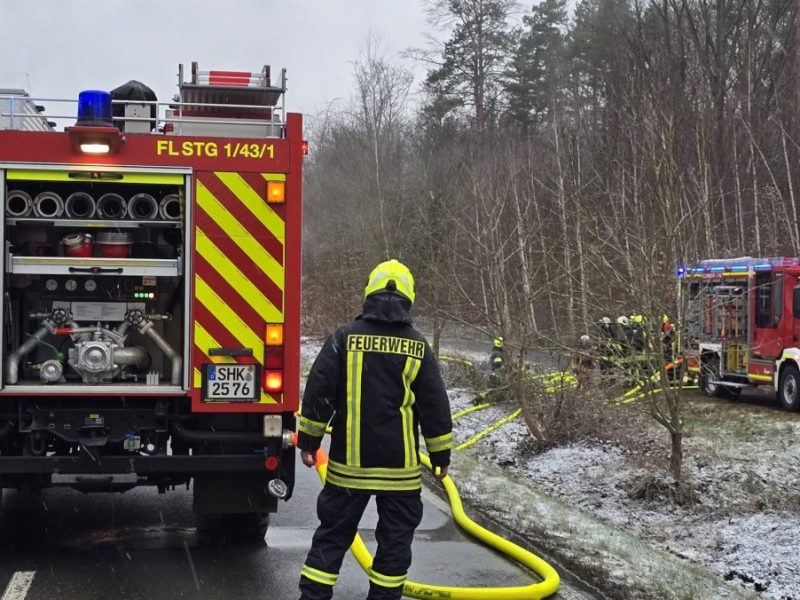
(741, 538)
(745, 523)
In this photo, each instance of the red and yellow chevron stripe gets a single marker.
(239, 261)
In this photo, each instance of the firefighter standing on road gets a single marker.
(377, 381)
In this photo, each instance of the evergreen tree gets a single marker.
(535, 76)
(468, 75)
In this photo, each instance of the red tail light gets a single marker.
(273, 381)
(273, 357)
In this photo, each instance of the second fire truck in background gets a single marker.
(743, 325)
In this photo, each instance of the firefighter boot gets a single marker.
(339, 513)
(398, 517)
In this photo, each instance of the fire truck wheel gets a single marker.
(240, 527)
(708, 380)
(789, 388)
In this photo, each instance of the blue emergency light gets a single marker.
(94, 109)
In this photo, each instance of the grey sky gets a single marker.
(65, 46)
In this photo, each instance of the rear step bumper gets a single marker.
(140, 465)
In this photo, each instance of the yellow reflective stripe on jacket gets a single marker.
(439, 443)
(386, 580)
(313, 428)
(319, 576)
(382, 472)
(409, 448)
(355, 364)
(359, 483)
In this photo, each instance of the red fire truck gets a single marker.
(151, 293)
(743, 325)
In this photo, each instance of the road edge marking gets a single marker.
(19, 585)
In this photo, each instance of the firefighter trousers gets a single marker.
(339, 513)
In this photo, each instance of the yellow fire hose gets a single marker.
(456, 359)
(412, 589)
(627, 398)
(466, 411)
(551, 376)
(482, 434)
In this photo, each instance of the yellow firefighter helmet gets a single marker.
(391, 276)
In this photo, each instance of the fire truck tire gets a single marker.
(708, 376)
(239, 527)
(789, 388)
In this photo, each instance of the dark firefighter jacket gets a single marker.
(496, 359)
(377, 382)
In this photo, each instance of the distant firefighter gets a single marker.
(496, 357)
(582, 361)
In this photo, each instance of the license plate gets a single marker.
(231, 383)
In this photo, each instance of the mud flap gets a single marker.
(228, 494)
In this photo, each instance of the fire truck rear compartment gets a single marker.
(94, 287)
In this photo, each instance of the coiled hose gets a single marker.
(412, 589)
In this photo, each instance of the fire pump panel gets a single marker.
(94, 292)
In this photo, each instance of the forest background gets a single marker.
(559, 166)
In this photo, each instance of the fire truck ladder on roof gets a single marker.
(247, 95)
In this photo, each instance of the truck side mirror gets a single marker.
(796, 302)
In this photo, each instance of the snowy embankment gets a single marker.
(576, 501)
(739, 540)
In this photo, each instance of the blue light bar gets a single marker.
(739, 268)
(717, 269)
(681, 271)
(763, 266)
(94, 109)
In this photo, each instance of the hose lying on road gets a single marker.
(535, 591)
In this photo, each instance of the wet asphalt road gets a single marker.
(144, 545)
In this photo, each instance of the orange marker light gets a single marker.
(273, 381)
(276, 192)
(273, 336)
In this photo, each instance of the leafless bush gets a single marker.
(566, 415)
(654, 487)
(460, 373)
